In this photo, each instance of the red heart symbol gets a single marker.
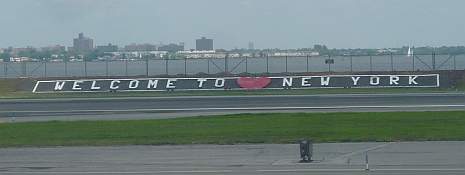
(253, 82)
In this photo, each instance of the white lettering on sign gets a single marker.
(133, 84)
(394, 80)
(170, 83)
(411, 80)
(287, 82)
(114, 84)
(219, 82)
(59, 85)
(201, 80)
(374, 80)
(306, 81)
(355, 80)
(325, 81)
(203, 83)
(94, 86)
(76, 85)
(152, 84)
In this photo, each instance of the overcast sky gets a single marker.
(233, 23)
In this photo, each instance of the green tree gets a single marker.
(322, 49)
(5, 56)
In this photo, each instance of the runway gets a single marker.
(168, 107)
(414, 158)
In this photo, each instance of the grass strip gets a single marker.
(241, 128)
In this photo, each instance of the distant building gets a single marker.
(83, 44)
(204, 44)
(172, 47)
(108, 48)
(201, 54)
(251, 46)
(140, 47)
(17, 51)
(54, 49)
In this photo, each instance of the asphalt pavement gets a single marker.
(430, 158)
(168, 107)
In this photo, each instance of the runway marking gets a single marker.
(341, 157)
(239, 108)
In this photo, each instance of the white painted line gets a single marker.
(239, 108)
(360, 151)
(35, 87)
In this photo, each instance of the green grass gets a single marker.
(461, 85)
(242, 128)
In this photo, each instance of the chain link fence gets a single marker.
(186, 67)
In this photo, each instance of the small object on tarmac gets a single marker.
(367, 166)
(306, 151)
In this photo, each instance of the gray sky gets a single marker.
(233, 23)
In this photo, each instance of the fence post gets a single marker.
(371, 63)
(286, 64)
(455, 66)
(45, 68)
(433, 60)
(208, 65)
(246, 65)
(307, 63)
(85, 67)
(106, 67)
(226, 64)
(5, 69)
(146, 66)
(392, 63)
(413, 62)
(126, 67)
(166, 65)
(66, 67)
(24, 69)
(329, 65)
(267, 69)
(185, 67)
(351, 65)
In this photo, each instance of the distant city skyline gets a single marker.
(233, 24)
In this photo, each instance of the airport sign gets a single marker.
(237, 83)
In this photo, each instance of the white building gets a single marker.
(295, 54)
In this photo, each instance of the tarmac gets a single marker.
(17, 110)
(425, 158)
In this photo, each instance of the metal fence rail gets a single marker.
(152, 67)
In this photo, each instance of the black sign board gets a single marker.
(290, 82)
